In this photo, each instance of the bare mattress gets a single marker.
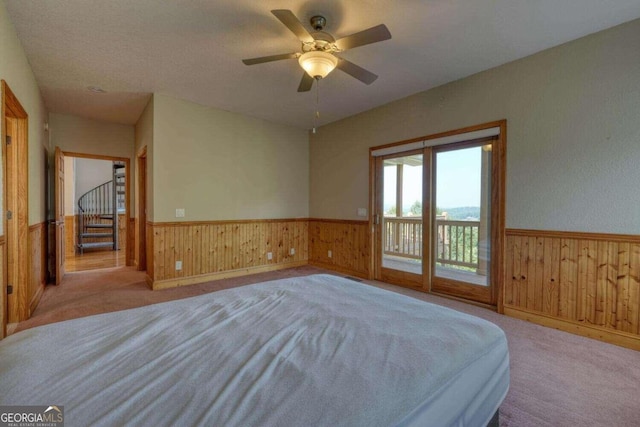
(307, 351)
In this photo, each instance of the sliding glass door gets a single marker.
(400, 218)
(461, 220)
(439, 217)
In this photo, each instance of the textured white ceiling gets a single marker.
(192, 49)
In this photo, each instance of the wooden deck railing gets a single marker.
(457, 240)
(403, 237)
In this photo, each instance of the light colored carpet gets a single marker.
(557, 379)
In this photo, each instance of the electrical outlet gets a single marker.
(329, 254)
(178, 265)
(179, 213)
(269, 256)
(292, 251)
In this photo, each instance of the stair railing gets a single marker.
(93, 206)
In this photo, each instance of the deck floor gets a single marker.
(415, 266)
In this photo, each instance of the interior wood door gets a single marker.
(59, 214)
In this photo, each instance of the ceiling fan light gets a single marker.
(317, 63)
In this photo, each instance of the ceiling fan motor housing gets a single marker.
(318, 22)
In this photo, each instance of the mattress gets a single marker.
(316, 350)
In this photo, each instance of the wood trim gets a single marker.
(11, 105)
(140, 215)
(340, 221)
(16, 199)
(3, 288)
(629, 238)
(36, 226)
(94, 156)
(497, 123)
(192, 280)
(591, 331)
(224, 221)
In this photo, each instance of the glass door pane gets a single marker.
(402, 213)
(462, 228)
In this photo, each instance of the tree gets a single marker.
(416, 208)
(392, 210)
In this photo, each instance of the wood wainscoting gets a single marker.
(349, 242)
(70, 235)
(212, 250)
(585, 283)
(37, 264)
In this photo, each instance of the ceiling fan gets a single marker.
(318, 56)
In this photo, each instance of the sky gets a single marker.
(457, 180)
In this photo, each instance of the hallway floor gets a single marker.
(95, 260)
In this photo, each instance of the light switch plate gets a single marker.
(362, 211)
(179, 213)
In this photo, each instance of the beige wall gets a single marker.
(144, 138)
(79, 135)
(218, 165)
(573, 137)
(15, 70)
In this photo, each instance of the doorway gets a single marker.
(95, 212)
(439, 213)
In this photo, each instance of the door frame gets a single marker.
(15, 188)
(141, 217)
(127, 190)
(58, 214)
(498, 197)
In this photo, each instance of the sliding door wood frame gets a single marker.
(403, 278)
(450, 286)
(498, 197)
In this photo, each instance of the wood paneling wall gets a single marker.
(70, 236)
(37, 264)
(216, 249)
(349, 243)
(580, 282)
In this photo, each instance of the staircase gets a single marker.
(98, 212)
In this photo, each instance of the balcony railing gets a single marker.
(458, 241)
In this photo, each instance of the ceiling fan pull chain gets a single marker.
(317, 115)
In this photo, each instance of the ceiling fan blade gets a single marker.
(371, 35)
(366, 77)
(305, 83)
(263, 59)
(292, 23)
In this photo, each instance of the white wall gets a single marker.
(16, 71)
(573, 152)
(69, 187)
(218, 165)
(90, 173)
